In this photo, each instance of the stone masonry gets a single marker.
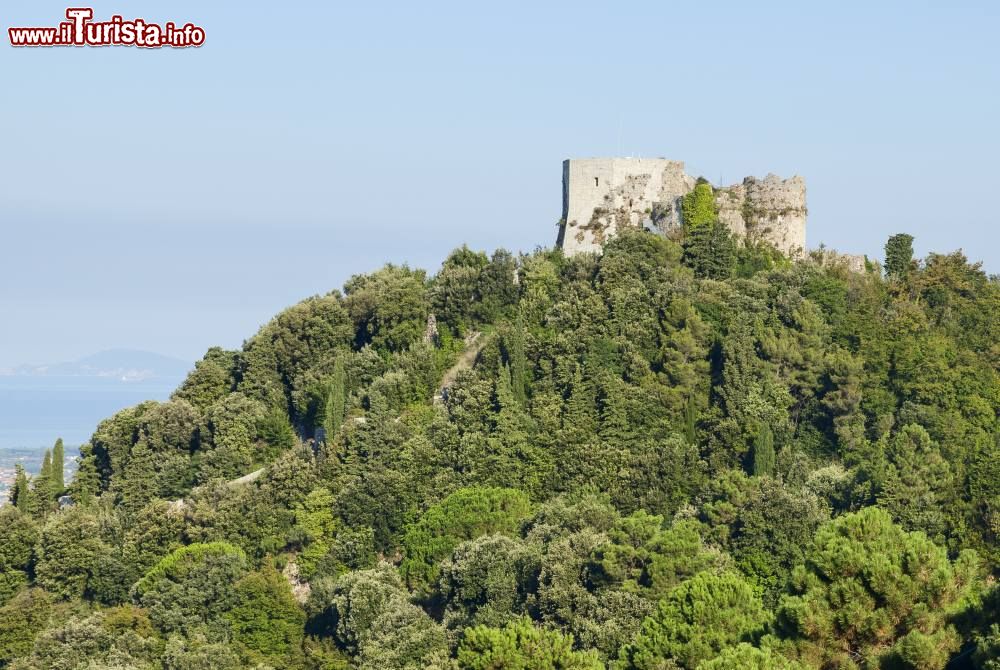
(604, 195)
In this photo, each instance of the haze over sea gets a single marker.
(39, 404)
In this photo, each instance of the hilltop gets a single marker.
(688, 452)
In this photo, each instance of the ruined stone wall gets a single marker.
(771, 210)
(831, 258)
(604, 195)
(601, 196)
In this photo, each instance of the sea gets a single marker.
(37, 410)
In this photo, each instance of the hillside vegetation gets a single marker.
(678, 454)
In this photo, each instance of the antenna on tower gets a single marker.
(620, 133)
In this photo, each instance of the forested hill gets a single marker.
(688, 454)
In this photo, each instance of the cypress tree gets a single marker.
(58, 468)
(518, 362)
(43, 482)
(763, 452)
(20, 495)
(504, 392)
(511, 461)
(336, 398)
(580, 413)
(690, 420)
(899, 255)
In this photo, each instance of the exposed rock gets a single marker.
(246, 479)
(300, 589)
(431, 331)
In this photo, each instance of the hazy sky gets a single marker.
(172, 200)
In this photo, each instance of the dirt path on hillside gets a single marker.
(474, 344)
(246, 479)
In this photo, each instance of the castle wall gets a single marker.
(831, 258)
(604, 195)
(772, 210)
(601, 196)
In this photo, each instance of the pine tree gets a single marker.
(695, 621)
(336, 398)
(58, 468)
(763, 452)
(866, 571)
(521, 644)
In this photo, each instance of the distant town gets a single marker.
(31, 461)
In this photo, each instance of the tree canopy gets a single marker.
(687, 451)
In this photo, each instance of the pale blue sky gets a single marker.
(172, 200)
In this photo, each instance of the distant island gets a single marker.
(39, 403)
(126, 365)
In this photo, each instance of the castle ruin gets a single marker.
(604, 195)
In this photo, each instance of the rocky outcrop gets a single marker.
(300, 588)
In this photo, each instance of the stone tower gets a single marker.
(604, 195)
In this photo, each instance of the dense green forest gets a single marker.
(682, 453)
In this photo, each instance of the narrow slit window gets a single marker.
(597, 181)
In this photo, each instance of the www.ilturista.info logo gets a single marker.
(80, 30)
